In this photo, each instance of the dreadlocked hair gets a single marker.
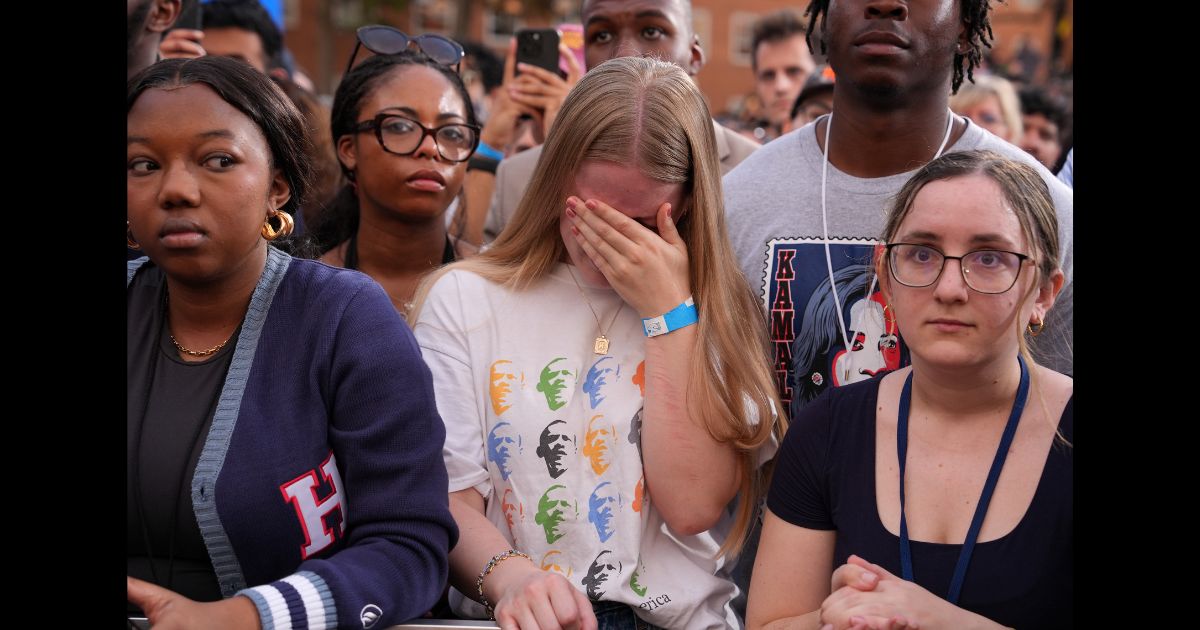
(974, 15)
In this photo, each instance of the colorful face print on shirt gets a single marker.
(803, 318)
(556, 384)
(598, 574)
(550, 562)
(552, 510)
(513, 512)
(875, 347)
(596, 446)
(639, 378)
(638, 574)
(598, 378)
(500, 443)
(635, 431)
(504, 379)
(552, 447)
(601, 505)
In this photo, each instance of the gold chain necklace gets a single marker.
(189, 352)
(200, 353)
(601, 345)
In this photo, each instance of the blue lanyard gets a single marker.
(1010, 429)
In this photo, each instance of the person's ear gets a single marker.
(280, 190)
(697, 60)
(963, 45)
(163, 14)
(881, 273)
(1046, 295)
(347, 152)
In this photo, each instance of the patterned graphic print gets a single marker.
(809, 352)
(601, 504)
(635, 431)
(597, 378)
(554, 382)
(552, 447)
(639, 494)
(639, 378)
(550, 562)
(638, 573)
(503, 378)
(598, 574)
(499, 447)
(552, 510)
(578, 444)
(513, 512)
(597, 444)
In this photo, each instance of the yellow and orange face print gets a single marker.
(597, 447)
(505, 380)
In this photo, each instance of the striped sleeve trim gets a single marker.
(302, 600)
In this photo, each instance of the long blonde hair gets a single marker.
(648, 113)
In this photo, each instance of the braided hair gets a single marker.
(974, 14)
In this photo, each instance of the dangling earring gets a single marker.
(129, 240)
(887, 328)
(286, 225)
(1035, 328)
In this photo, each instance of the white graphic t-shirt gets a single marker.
(550, 434)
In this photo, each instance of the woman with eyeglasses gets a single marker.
(284, 449)
(403, 128)
(602, 370)
(937, 495)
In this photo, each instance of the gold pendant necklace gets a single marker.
(601, 344)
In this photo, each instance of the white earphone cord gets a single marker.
(837, 303)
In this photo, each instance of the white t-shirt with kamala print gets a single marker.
(550, 434)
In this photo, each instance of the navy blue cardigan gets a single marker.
(321, 483)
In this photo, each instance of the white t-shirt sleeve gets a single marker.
(441, 333)
(767, 449)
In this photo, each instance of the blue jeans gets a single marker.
(618, 616)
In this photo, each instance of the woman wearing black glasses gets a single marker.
(882, 479)
(283, 443)
(404, 128)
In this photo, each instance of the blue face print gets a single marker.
(597, 378)
(600, 509)
(500, 442)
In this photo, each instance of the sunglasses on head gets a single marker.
(385, 40)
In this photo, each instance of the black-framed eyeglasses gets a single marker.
(385, 40)
(983, 270)
(401, 135)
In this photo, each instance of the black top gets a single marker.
(825, 479)
(171, 425)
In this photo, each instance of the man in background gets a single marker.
(782, 63)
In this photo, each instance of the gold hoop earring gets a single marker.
(1035, 328)
(130, 242)
(286, 225)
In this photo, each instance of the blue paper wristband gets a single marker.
(484, 150)
(679, 317)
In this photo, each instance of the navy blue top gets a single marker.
(825, 479)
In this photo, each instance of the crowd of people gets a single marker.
(561, 350)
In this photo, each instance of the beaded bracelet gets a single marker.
(496, 560)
